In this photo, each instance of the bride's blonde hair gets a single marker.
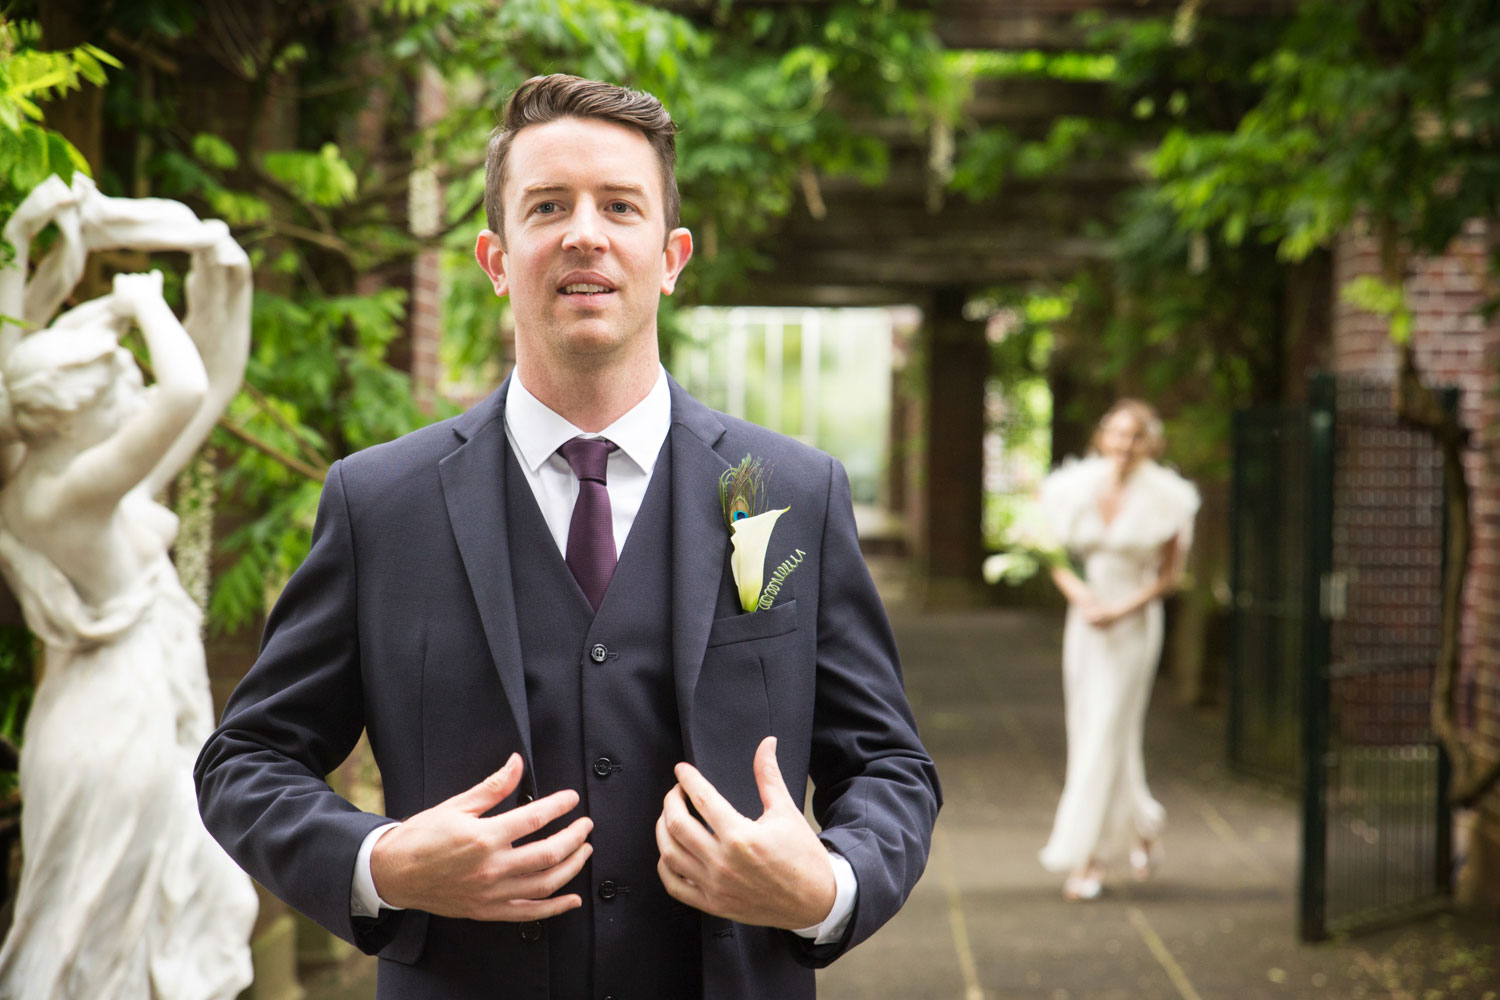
(1145, 415)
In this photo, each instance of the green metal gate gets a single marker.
(1348, 595)
(1268, 558)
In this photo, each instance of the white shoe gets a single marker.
(1083, 887)
(1144, 859)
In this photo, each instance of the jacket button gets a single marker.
(604, 767)
(524, 798)
(607, 889)
(531, 931)
(598, 653)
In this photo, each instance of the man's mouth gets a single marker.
(582, 288)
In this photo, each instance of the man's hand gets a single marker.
(771, 872)
(454, 861)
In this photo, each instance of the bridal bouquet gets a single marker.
(1029, 546)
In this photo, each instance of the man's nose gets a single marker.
(585, 229)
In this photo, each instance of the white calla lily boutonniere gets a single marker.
(742, 492)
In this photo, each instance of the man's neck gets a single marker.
(589, 399)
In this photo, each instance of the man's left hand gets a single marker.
(770, 872)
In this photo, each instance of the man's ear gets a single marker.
(679, 249)
(491, 256)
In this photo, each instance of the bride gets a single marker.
(1130, 522)
(122, 892)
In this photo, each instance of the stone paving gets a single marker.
(988, 923)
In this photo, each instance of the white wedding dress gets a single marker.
(124, 895)
(1108, 672)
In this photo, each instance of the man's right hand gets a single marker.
(454, 861)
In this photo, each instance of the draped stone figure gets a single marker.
(123, 894)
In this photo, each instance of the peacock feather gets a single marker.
(742, 490)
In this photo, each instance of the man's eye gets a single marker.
(620, 206)
(546, 208)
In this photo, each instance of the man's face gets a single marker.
(586, 255)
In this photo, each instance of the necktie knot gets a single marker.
(587, 457)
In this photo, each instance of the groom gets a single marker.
(597, 748)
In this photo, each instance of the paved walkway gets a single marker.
(988, 923)
(1218, 921)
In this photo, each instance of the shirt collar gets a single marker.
(538, 430)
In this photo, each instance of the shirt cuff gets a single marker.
(832, 927)
(364, 901)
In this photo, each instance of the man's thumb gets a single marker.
(768, 778)
(483, 797)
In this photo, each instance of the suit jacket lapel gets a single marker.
(473, 478)
(700, 543)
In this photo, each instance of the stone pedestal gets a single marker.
(273, 953)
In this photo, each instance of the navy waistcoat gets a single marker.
(604, 722)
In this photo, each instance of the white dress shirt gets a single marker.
(535, 432)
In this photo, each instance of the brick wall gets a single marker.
(1455, 346)
(425, 308)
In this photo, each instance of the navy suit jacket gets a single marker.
(402, 621)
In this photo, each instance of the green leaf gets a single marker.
(1375, 295)
(214, 151)
(323, 178)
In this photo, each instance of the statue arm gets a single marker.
(218, 288)
(103, 473)
(218, 327)
(50, 201)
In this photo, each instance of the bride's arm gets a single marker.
(1073, 588)
(1168, 574)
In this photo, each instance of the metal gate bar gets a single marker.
(1337, 560)
(1376, 825)
(1268, 529)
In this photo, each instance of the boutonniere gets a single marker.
(742, 493)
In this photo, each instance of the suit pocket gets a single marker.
(777, 620)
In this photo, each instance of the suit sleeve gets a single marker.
(294, 718)
(876, 791)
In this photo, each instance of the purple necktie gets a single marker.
(591, 533)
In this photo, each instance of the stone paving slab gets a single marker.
(988, 923)
(1218, 921)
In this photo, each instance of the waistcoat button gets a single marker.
(598, 653)
(531, 931)
(607, 889)
(603, 767)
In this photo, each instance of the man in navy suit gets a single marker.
(531, 609)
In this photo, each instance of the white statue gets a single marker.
(123, 894)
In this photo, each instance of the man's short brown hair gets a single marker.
(544, 99)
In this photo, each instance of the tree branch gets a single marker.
(291, 462)
(396, 184)
(296, 465)
(276, 415)
(1419, 406)
(306, 235)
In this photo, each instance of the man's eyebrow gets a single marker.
(620, 187)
